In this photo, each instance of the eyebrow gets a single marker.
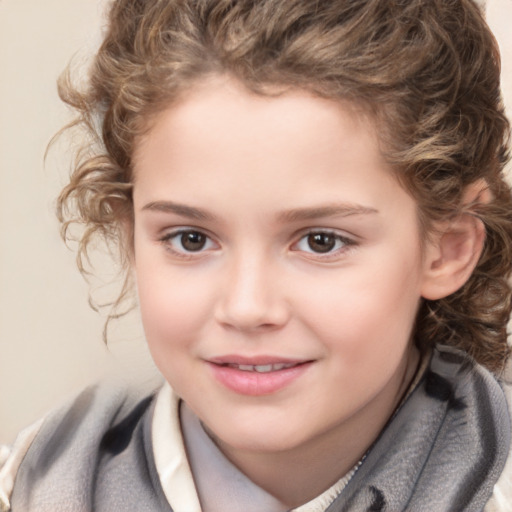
(333, 210)
(182, 210)
(293, 215)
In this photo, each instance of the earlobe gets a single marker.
(456, 247)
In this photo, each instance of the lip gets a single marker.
(256, 383)
(254, 360)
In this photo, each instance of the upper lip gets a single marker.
(234, 359)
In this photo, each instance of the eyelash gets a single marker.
(167, 241)
(341, 244)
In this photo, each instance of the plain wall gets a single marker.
(50, 340)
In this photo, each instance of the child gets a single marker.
(309, 196)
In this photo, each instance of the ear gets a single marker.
(456, 246)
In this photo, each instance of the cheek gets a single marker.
(366, 312)
(170, 320)
(172, 304)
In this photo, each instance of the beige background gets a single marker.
(50, 340)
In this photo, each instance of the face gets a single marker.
(278, 264)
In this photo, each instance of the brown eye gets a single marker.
(188, 242)
(193, 241)
(321, 242)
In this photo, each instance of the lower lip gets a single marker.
(256, 383)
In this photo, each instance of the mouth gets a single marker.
(257, 376)
(261, 368)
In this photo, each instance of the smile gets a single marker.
(260, 368)
(257, 377)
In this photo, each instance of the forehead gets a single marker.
(220, 113)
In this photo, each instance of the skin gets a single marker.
(256, 175)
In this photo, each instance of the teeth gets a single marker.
(261, 368)
(264, 368)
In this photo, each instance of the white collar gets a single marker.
(170, 456)
(174, 470)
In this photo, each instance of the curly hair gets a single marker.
(428, 73)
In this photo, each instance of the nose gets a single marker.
(253, 297)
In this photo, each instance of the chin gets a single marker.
(257, 437)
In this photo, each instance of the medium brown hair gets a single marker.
(427, 71)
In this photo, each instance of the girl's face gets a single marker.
(279, 267)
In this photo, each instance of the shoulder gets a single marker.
(85, 419)
(477, 392)
(10, 460)
(502, 492)
(75, 429)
